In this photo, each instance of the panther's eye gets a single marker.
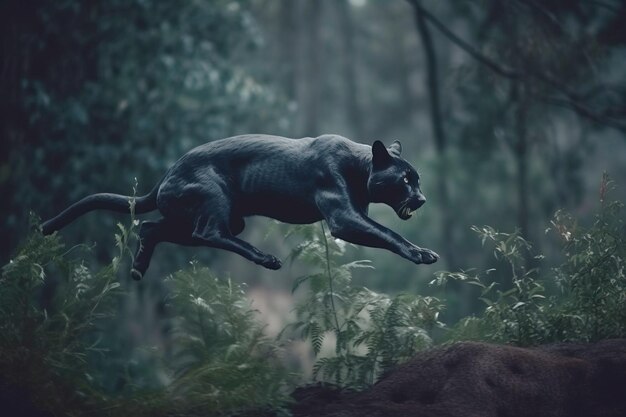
(406, 180)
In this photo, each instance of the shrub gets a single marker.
(372, 332)
(55, 321)
(590, 301)
(51, 310)
(222, 361)
(592, 279)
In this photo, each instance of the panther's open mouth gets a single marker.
(405, 212)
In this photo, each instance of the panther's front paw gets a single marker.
(423, 256)
(428, 256)
(271, 262)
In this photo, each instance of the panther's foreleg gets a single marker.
(348, 223)
(362, 230)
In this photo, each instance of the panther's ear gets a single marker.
(396, 147)
(380, 157)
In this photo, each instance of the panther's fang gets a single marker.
(405, 212)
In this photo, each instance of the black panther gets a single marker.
(205, 196)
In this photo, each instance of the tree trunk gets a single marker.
(349, 68)
(441, 143)
(520, 148)
(521, 156)
(311, 70)
(15, 17)
(288, 52)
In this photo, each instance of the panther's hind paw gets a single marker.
(271, 262)
(135, 274)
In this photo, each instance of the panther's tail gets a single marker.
(102, 201)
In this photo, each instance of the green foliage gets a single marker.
(593, 276)
(51, 311)
(512, 315)
(589, 303)
(56, 315)
(372, 332)
(222, 362)
(55, 321)
(121, 83)
(584, 299)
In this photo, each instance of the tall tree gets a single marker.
(311, 68)
(350, 74)
(289, 42)
(441, 142)
(92, 87)
(545, 62)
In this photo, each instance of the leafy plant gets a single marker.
(51, 310)
(590, 303)
(513, 315)
(372, 332)
(593, 277)
(222, 362)
(56, 316)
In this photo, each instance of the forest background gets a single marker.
(510, 110)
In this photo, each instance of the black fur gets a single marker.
(206, 195)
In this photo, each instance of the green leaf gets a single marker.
(299, 281)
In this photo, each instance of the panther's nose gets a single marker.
(420, 201)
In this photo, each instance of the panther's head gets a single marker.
(394, 181)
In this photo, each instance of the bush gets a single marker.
(590, 301)
(372, 332)
(55, 319)
(593, 277)
(51, 310)
(222, 361)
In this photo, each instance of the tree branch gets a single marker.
(573, 99)
(585, 111)
(473, 52)
(433, 79)
(439, 133)
(606, 6)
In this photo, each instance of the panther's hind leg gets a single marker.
(213, 228)
(205, 219)
(151, 233)
(237, 224)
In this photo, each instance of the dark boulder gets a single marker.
(484, 380)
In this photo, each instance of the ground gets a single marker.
(485, 380)
(466, 379)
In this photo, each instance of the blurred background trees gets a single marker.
(509, 109)
(98, 93)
